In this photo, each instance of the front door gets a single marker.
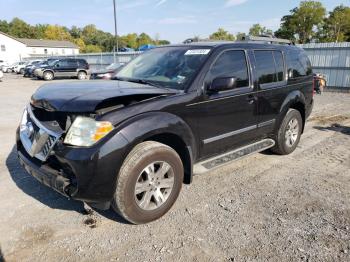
(227, 119)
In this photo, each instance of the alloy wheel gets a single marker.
(154, 185)
(292, 132)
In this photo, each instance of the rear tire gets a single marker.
(48, 76)
(148, 183)
(289, 132)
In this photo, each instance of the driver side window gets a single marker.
(231, 63)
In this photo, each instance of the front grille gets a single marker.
(36, 138)
(48, 145)
(48, 116)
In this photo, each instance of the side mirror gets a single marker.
(57, 65)
(222, 84)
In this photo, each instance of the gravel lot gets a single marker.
(264, 207)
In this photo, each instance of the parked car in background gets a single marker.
(28, 70)
(64, 68)
(146, 47)
(106, 73)
(1, 75)
(19, 68)
(126, 49)
(9, 68)
(2, 63)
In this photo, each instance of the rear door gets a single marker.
(270, 75)
(72, 66)
(227, 119)
(60, 67)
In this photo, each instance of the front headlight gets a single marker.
(106, 75)
(86, 131)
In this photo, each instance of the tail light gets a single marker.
(314, 83)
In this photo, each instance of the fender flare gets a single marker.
(150, 124)
(294, 97)
(50, 70)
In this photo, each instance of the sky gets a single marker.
(174, 20)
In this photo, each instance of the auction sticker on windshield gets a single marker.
(197, 52)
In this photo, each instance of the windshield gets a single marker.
(51, 62)
(113, 66)
(171, 67)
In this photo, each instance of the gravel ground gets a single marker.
(264, 207)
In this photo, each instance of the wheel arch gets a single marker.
(49, 70)
(294, 100)
(175, 142)
(164, 128)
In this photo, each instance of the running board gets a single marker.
(218, 161)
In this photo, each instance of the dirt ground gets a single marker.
(262, 208)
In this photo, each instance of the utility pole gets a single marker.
(115, 31)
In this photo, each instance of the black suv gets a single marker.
(172, 112)
(67, 67)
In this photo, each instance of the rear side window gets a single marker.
(82, 62)
(73, 63)
(269, 66)
(63, 63)
(298, 64)
(231, 63)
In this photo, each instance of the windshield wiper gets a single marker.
(136, 80)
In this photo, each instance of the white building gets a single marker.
(16, 49)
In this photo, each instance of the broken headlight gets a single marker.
(86, 131)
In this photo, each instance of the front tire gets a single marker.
(148, 183)
(289, 132)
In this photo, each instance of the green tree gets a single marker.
(307, 19)
(19, 28)
(286, 31)
(129, 40)
(144, 39)
(163, 42)
(56, 32)
(92, 49)
(337, 25)
(240, 35)
(222, 34)
(39, 30)
(89, 35)
(80, 43)
(4, 26)
(258, 29)
(75, 32)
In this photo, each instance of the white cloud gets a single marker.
(178, 20)
(234, 2)
(160, 2)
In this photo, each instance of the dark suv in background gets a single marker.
(171, 112)
(64, 68)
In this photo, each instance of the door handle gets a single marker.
(251, 99)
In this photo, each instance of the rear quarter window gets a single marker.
(298, 64)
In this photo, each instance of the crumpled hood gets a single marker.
(85, 96)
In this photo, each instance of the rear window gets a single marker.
(269, 66)
(82, 62)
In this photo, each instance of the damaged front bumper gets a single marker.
(83, 173)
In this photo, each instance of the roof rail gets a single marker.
(268, 39)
